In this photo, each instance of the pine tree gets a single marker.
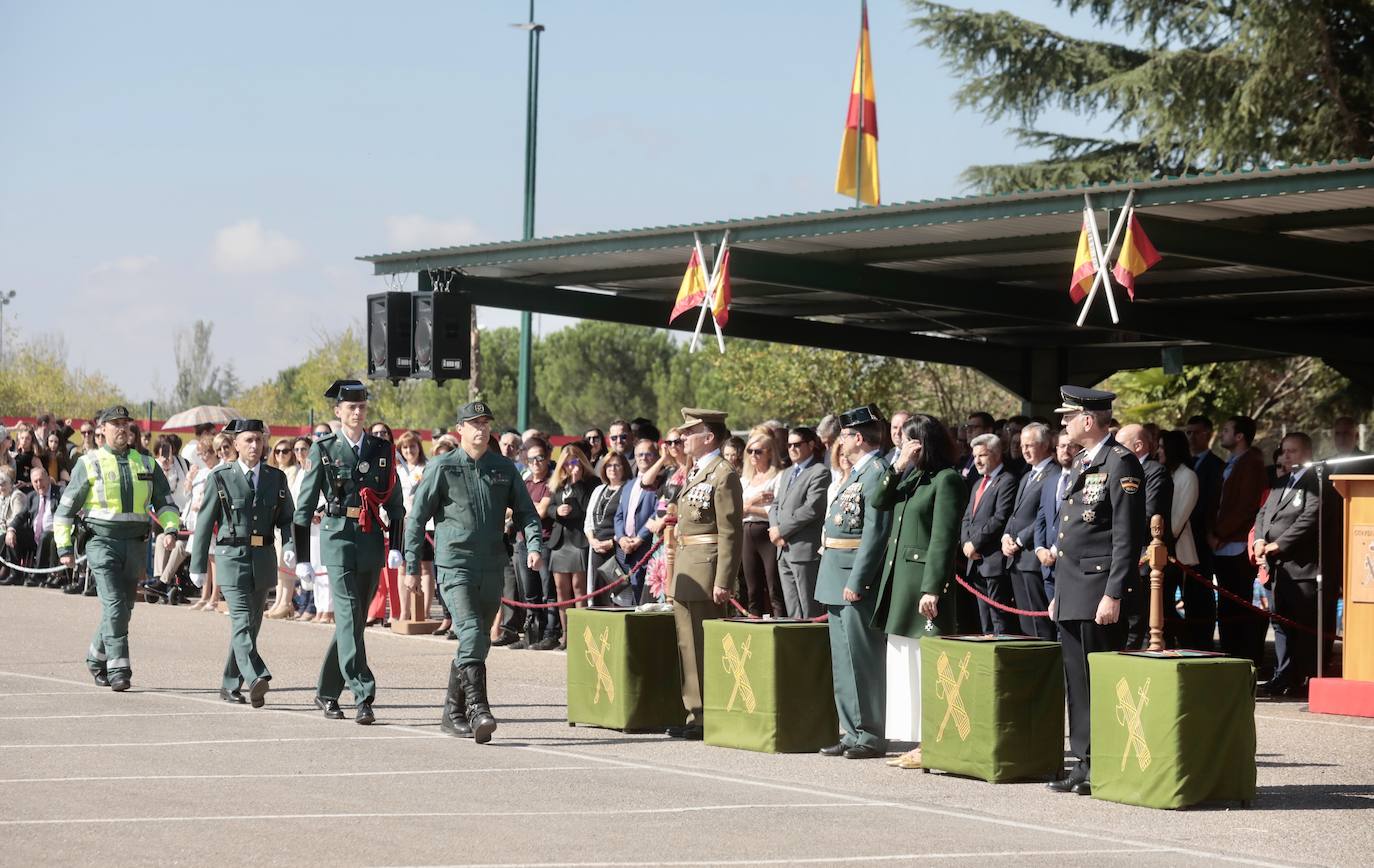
(1207, 85)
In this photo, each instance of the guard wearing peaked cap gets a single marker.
(246, 502)
(467, 492)
(355, 474)
(1097, 549)
(115, 486)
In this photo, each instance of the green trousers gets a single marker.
(345, 663)
(689, 617)
(472, 593)
(245, 583)
(858, 662)
(118, 566)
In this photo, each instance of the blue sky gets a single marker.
(168, 161)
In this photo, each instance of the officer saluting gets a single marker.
(115, 486)
(245, 503)
(356, 473)
(467, 492)
(710, 537)
(1097, 548)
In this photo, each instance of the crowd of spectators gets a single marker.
(603, 500)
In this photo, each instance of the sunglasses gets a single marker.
(281, 451)
(593, 437)
(674, 442)
(620, 436)
(797, 445)
(86, 432)
(537, 459)
(319, 434)
(574, 463)
(756, 451)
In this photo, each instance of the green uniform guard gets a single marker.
(245, 503)
(356, 474)
(115, 486)
(467, 492)
(855, 539)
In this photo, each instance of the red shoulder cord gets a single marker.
(372, 500)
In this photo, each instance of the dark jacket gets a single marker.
(1289, 518)
(22, 522)
(1159, 500)
(1099, 536)
(1208, 468)
(1047, 518)
(983, 525)
(1240, 498)
(921, 550)
(1025, 510)
(567, 530)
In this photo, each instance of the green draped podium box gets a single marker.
(623, 670)
(1170, 730)
(767, 686)
(992, 708)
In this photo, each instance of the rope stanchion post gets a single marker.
(1157, 555)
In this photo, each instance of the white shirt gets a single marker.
(705, 459)
(352, 444)
(1089, 455)
(253, 471)
(862, 462)
(1185, 498)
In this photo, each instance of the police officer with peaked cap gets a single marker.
(245, 503)
(356, 474)
(1097, 549)
(115, 486)
(467, 492)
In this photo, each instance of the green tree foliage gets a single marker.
(592, 372)
(199, 379)
(1203, 86)
(35, 378)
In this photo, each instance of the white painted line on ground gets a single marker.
(1313, 720)
(412, 815)
(316, 738)
(48, 693)
(810, 860)
(295, 776)
(97, 716)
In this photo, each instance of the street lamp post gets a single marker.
(522, 402)
(5, 298)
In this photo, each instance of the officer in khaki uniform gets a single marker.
(115, 486)
(245, 503)
(1097, 549)
(467, 492)
(855, 540)
(356, 473)
(710, 540)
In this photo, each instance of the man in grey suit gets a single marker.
(795, 520)
(1018, 542)
(981, 532)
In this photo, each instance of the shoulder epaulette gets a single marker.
(1119, 451)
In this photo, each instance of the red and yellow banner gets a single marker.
(1137, 256)
(692, 292)
(720, 284)
(1084, 268)
(858, 172)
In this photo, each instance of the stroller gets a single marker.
(179, 590)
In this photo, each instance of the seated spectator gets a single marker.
(26, 454)
(88, 442)
(6, 451)
(56, 459)
(12, 502)
(30, 531)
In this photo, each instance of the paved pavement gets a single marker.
(168, 774)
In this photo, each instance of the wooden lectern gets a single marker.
(1352, 694)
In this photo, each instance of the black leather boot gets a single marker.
(454, 720)
(483, 724)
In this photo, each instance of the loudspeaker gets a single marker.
(388, 335)
(442, 344)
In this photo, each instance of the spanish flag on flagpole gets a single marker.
(1084, 266)
(1137, 256)
(692, 293)
(720, 295)
(858, 172)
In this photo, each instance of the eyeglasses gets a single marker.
(645, 456)
(319, 434)
(591, 437)
(795, 444)
(86, 432)
(281, 450)
(847, 434)
(758, 451)
(574, 463)
(674, 442)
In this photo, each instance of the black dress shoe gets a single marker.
(504, 639)
(364, 714)
(863, 751)
(1082, 788)
(693, 733)
(1077, 775)
(451, 636)
(72, 588)
(330, 707)
(32, 583)
(836, 749)
(675, 731)
(101, 679)
(91, 589)
(256, 691)
(1270, 688)
(233, 696)
(119, 683)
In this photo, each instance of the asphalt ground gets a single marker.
(168, 774)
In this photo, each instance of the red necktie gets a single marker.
(982, 486)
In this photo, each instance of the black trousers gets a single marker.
(1199, 606)
(991, 618)
(1079, 639)
(512, 618)
(1296, 649)
(1242, 631)
(538, 588)
(1135, 611)
(1028, 587)
(761, 572)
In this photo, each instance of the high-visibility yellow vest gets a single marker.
(103, 502)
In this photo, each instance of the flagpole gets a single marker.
(701, 315)
(711, 289)
(1099, 259)
(859, 139)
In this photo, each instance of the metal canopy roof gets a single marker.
(1276, 262)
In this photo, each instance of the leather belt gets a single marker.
(698, 539)
(256, 540)
(831, 543)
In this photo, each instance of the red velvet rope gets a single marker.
(1241, 601)
(563, 604)
(996, 605)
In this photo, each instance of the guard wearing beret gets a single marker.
(467, 492)
(115, 486)
(855, 541)
(356, 474)
(246, 502)
(1097, 551)
(710, 539)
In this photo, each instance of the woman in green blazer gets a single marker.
(927, 498)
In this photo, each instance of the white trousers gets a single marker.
(324, 601)
(903, 689)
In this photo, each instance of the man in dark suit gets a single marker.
(1199, 601)
(30, 530)
(1018, 541)
(1286, 541)
(795, 520)
(1053, 491)
(1159, 500)
(980, 535)
(1099, 542)
(1241, 489)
